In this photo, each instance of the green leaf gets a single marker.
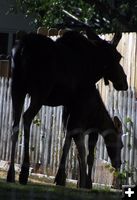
(37, 121)
(128, 120)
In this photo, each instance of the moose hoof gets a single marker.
(85, 184)
(23, 177)
(60, 179)
(11, 175)
(89, 184)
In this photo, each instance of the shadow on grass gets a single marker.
(15, 191)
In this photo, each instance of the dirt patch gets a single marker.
(33, 179)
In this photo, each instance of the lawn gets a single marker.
(40, 190)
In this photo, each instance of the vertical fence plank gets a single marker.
(133, 135)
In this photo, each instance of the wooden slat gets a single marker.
(4, 68)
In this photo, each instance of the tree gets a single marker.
(49, 12)
(121, 14)
(102, 15)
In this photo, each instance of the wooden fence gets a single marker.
(47, 133)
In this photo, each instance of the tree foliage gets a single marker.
(102, 15)
(120, 14)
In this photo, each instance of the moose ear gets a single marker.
(106, 81)
(92, 35)
(116, 38)
(118, 124)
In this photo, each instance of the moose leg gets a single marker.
(60, 178)
(79, 141)
(93, 137)
(17, 102)
(27, 117)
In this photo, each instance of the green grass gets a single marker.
(37, 191)
(44, 189)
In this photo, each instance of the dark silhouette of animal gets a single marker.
(90, 116)
(54, 73)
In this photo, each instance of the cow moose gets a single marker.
(89, 116)
(54, 73)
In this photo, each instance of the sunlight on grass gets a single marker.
(40, 189)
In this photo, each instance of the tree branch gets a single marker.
(110, 12)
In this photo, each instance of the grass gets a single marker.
(40, 190)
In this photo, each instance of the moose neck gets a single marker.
(99, 66)
(104, 120)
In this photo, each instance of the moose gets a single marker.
(90, 117)
(55, 73)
